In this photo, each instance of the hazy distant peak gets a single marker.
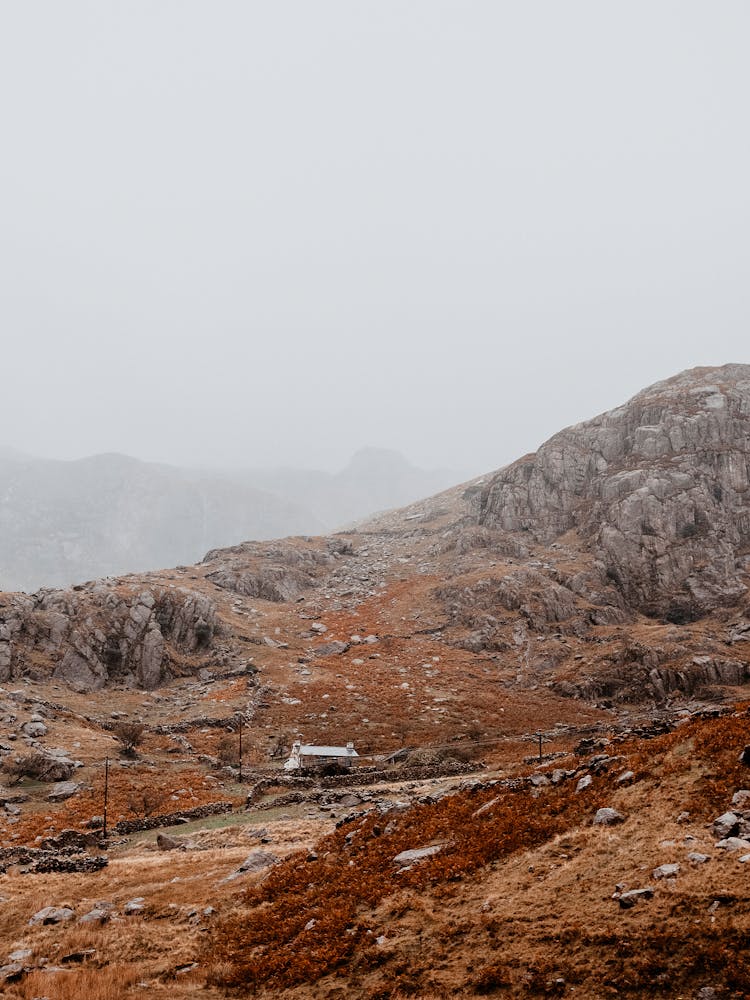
(113, 460)
(13, 454)
(371, 459)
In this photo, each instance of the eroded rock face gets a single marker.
(277, 572)
(97, 635)
(526, 592)
(660, 487)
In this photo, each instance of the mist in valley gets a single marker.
(242, 244)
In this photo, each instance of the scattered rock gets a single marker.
(539, 780)
(182, 970)
(99, 914)
(20, 955)
(733, 844)
(485, 808)
(34, 729)
(417, 854)
(51, 915)
(134, 906)
(726, 825)
(11, 973)
(630, 898)
(666, 871)
(257, 861)
(167, 843)
(584, 782)
(77, 956)
(608, 817)
(63, 790)
(335, 648)
(696, 858)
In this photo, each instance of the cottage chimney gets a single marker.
(350, 747)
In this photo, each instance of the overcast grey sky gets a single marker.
(272, 232)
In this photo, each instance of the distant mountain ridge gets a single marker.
(62, 522)
(375, 479)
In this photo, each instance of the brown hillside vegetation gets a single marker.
(519, 900)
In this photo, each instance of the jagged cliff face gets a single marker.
(102, 634)
(658, 489)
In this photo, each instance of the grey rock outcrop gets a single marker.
(257, 861)
(52, 915)
(733, 844)
(666, 871)
(277, 572)
(726, 825)
(417, 854)
(660, 487)
(34, 729)
(608, 817)
(5, 653)
(63, 790)
(99, 914)
(627, 900)
(99, 634)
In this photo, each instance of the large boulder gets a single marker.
(52, 915)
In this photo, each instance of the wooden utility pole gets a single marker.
(240, 774)
(106, 795)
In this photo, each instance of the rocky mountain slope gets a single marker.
(660, 487)
(582, 601)
(613, 563)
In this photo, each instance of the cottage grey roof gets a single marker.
(312, 751)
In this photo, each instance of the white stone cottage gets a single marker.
(306, 757)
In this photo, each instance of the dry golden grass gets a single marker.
(177, 887)
(110, 983)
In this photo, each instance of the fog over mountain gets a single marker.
(375, 479)
(260, 234)
(64, 522)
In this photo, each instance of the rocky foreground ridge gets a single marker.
(613, 563)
